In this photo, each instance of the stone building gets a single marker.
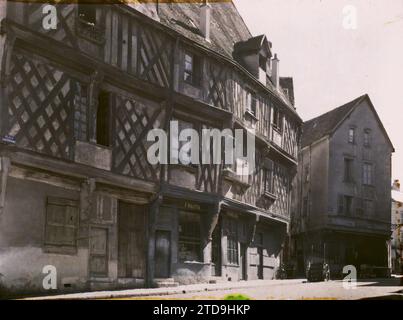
(342, 202)
(396, 245)
(77, 103)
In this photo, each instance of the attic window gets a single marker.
(263, 62)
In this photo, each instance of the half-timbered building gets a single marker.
(77, 102)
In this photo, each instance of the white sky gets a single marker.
(332, 65)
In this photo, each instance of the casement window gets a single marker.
(345, 205)
(232, 241)
(367, 138)
(182, 155)
(81, 113)
(103, 119)
(277, 119)
(367, 173)
(348, 170)
(351, 135)
(269, 177)
(251, 102)
(192, 69)
(87, 13)
(189, 243)
(61, 223)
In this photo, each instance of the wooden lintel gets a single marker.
(73, 170)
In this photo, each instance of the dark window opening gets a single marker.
(232, 242)
(103, 121)
(277, 119)
(345, 205)
(189, 244)
(251, 105)
(87, 13)
(263, 62)
(193, 69)
(367, 138)
(348, 170)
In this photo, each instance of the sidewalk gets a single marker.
(169, 291)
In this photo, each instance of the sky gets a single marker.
(332, 64)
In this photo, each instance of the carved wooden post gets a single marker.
(93, 93)
(152, 218)
(4, 169)
(210, 225)
(7, 40)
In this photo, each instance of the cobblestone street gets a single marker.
(332, 290)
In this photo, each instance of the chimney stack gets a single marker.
(396, 185)
(275, 72)
(205, 18)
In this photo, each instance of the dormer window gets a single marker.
(193, 69)
(263, 62)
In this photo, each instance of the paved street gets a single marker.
(289, 289)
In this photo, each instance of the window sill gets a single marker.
(233, 177)
(270, 196)
(194, 263)
(65, 250)
(187, 167)
(195, 85)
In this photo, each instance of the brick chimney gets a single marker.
(275, 71)
(205, 20)
(396, 185)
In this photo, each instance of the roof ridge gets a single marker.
(355, 101)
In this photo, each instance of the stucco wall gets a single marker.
(22, 254)
(378, 154)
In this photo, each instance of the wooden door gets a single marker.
(162, 254)
(260, 263)
(98, 251)
(244, 268)
(132, 241)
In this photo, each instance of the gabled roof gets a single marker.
(254, 44)
(324, 125)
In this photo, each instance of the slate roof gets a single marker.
(227, 29)
(227, 25)
(315, 129)
(251, 45)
